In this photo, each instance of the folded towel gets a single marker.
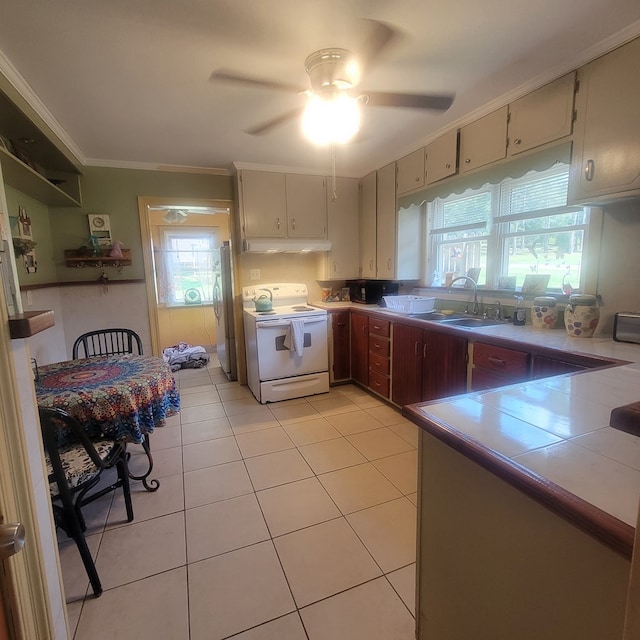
(294, 337)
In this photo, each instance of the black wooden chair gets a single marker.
(73, 470)
(107, 342)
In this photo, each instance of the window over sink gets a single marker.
(505, 231)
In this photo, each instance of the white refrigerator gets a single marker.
(223, 310)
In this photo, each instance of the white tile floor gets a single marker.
(288, 521)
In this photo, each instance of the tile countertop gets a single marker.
(551, 437)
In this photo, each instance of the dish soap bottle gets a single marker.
(519, 313)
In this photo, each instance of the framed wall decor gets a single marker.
(24, 224)
(100, 228)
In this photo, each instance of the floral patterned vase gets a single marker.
(544, 312)
(581, 315)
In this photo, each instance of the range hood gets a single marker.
(284, 245)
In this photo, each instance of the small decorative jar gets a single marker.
(581, 315)
(544, 312)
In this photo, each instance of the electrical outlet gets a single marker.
(254, 274)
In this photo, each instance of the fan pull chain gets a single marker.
(334, 190)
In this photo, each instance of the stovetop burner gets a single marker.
(301, 307)
(266, 313)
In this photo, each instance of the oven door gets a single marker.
(276, 361)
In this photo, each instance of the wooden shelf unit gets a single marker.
(78, 258)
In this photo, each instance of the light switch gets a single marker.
(29, 299)
(254, 274)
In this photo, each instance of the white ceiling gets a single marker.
(128, 82)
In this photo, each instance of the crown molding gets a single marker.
(150, 166)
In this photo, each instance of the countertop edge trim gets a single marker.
(611, 531)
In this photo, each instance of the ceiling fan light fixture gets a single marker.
(334, 69)
(331, 119)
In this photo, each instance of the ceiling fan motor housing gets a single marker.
(331, 70)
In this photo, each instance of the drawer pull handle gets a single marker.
(424, 351)
(341, 324)
(497, 361)
(416, 348)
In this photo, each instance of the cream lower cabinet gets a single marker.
(484, 141)
(606, 151)
(279, 205)
(342, 262)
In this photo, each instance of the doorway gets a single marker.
(178, 239)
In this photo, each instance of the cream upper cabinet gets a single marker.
(484, 141)
(278, 205)
(306, 206)
(368, 226)
(410, 172)
(606, 153)
(343, 261)
(386, 222)
(442, 157)
(263, 204)
(542, 116)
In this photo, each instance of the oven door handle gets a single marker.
(287, 323)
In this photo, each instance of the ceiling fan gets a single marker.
(332, 112)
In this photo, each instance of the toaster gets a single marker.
(626, 326)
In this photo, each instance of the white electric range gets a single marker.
(286, 347)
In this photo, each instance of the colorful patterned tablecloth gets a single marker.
(123, 397)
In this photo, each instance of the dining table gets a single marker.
(123, 397)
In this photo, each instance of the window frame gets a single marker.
(498, 221)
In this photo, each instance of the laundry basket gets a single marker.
(409, 304)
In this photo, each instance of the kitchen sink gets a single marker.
(473, 322)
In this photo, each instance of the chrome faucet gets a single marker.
(498, 314)
(476, 306)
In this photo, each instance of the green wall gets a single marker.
(114, 192)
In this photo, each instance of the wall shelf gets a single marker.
(23, 178)
(78, 258)
(24, 325)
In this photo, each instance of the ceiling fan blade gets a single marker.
(265, 127)
(378, 40)
(231, 76)
(410, 100)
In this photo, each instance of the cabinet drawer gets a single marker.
(380, 327)
(379, 363)
(381, 346)
(379, 383)
(507, 362)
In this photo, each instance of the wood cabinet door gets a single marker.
(444, 370)
(368, 226)
(542, 116)
(442, 157)
(343, 228)
(406, 366)
(264, 206)
(386, 222)
(306, 206)
(483, 141)
(544, 367)
(606, 151)
(360, 348)
(340, 346)
(410, 172)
